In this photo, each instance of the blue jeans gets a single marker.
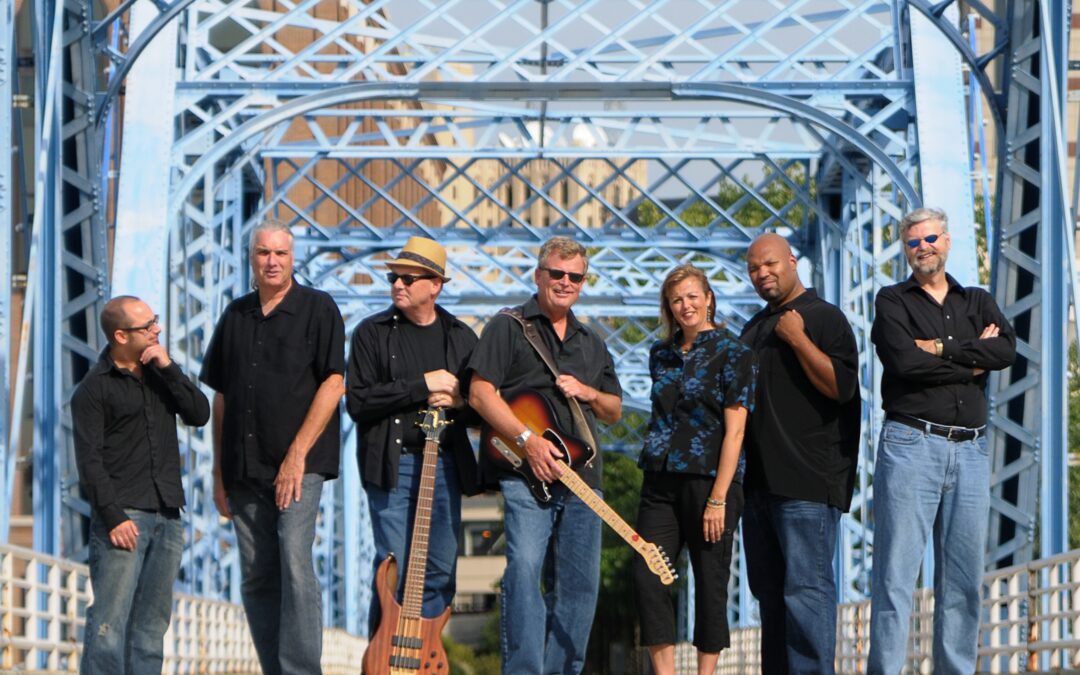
(133, 596)
(552, 575)
(921, 482)
(392, 515)
(789, 553)
(281, 595)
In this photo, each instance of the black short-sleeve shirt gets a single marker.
(268, 368)
(505, 358)
(802, 444)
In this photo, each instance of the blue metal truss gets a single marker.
(478, 123)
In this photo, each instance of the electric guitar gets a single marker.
(535, 412)
(405, 642)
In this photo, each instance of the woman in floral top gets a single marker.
(703, 388)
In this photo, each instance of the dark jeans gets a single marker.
(281, 595)
(133, 595)
(789, 551)
(392, 515)
(671, 516)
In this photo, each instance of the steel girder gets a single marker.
(1032, 270)
(8, 449)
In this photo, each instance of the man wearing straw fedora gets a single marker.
(404, 360)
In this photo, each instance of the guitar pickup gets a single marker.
(506, 452)
(407, 642)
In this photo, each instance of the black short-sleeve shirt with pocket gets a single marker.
(505, 358)
(268, 368)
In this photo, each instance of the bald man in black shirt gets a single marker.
(801, 453)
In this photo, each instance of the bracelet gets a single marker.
(714, 503)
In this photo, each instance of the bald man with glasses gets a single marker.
(124, 418)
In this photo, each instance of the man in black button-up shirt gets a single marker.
(936, 341)
(124, 418)
(277, 363)
(503, 364)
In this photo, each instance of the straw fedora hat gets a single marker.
(425, 253)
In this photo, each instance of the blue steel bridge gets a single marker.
(149, 136)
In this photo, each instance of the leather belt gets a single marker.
(943, 430)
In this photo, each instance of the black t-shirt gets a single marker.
(268, 368)
(505, 358)
(802, 444)
(424, 349)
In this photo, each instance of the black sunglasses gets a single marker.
(146, 326)
(575, 277)
(929, 239)
(408, 279)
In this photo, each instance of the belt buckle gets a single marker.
(949, 436)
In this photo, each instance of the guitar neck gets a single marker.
(573, 481)
(412, 601)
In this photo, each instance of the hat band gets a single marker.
(426, 262)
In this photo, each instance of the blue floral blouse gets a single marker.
(688, 400)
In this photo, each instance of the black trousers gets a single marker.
(671, 515)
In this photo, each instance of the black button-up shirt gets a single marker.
(686, 429)
(125, 436)
(268, 368)
(802, 444)
(384, 391)
(941, 389)
(505, 358)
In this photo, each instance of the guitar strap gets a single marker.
(581, 426)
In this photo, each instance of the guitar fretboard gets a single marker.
(572, 480)
(412, 602)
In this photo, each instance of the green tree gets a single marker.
(616, 615)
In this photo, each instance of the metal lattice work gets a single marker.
(662, 141)
(654, 132)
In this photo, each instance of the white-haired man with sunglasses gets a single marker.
(936, 341)
(404, 360)
(558, 539)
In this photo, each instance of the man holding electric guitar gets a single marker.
(552, 535)
(404, 361)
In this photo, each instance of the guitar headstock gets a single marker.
(659, 563)
(434, 421)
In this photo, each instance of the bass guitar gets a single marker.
(534, 411)
(406, 642)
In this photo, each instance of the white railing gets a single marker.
(43, 603)
(1031, 622)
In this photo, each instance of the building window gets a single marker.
(482, 538)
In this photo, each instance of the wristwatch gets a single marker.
(521, 438)
(939, 346)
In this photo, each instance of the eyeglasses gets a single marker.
(408, 279)
(145, 327)
(929, 239)
(575, 277)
